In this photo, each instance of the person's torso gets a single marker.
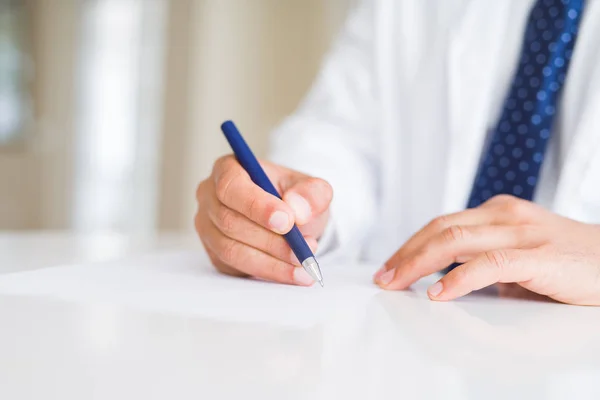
(444, 69)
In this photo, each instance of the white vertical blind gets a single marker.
(14, 104)
(120, 87)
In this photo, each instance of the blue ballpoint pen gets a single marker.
(249, 162)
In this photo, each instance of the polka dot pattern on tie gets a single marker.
(512, 161)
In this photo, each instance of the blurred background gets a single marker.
(110, 109)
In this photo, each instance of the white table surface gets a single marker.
(399, 345)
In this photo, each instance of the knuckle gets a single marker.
(501, 198)
(440, 223)
(274, 246)
(252, 207)
(229, 251)
(322, 194)
(318, 184)
(327, 186)
(498, 259)
(525, 234)
(225, 219)
(453, 233)
(224, 185)
(217, 262)
(515, 206)
(277, 272)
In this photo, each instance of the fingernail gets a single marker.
(380, 272)
(279, 221)
(435, 289)
(301, 277)
(300, 206)
(387, 277)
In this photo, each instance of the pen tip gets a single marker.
(321, 282)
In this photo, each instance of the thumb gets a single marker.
(308, 198)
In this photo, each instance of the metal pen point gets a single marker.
(311, 266)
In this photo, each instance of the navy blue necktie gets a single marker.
(511, 163)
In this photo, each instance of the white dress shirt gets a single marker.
(399, 114)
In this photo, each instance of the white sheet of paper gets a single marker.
(185, 283)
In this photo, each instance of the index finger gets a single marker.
(511, 265)
(496, 211)
(470, 217)
(456, 241)
(235, 189)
